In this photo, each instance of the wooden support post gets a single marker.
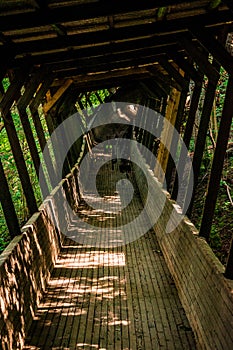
(218, 160)
(201, 138)
(183, 83)
(11, 95)
(187, 134)
(174, 143)
(42, 142)
(8, 206)
(33, 106)
(163, 153)
(218, 51)
(20, 163)
(22, 105)
(33, 150)
(151, 137)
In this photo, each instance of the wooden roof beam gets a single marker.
(35, 102)
(37, 78)
(100, 37)
(164, 81)
(181, 81)
(109, 83)
(59, 93)
(138, 47)
(79, 11)
(187, 67)
(200, 58)
(12, 93)
(216, 49)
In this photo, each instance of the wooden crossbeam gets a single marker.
(200, 58)
(107, 66)
(34, 104)
(165, 82)
(57, 96)
(201, 137)
(79, 11)
(183, 83)
(217, 165)
(31, 88)
(13, 91)
(187, 134)
(214, 47)
(167, 133)
(141, 47)
(188, 68)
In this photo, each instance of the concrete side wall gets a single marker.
(27, 262)
(206, 295)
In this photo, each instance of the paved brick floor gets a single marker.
(111, 298)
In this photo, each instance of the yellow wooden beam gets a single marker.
(167, 133)
(47, 106)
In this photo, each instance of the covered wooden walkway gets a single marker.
(164, 289)
(111, 298)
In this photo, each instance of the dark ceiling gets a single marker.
(106, 43)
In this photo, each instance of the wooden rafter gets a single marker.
(47, 106)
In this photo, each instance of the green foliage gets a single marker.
(220, 92)
(11, 173)
(10, 166)
(222, 226)
(90, 100)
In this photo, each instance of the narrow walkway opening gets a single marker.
(111, 298)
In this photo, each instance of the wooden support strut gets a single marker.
(217, 165)
(167, 163)
(33, 106)
(187, 67)
(217, 50)
(11, 95)
(163, 153)
(201, 137)
(8, 206)
(174, 143)
(20, 163)
(57, 95)
(172, 71)
(201, 59)
(21, 105)
(187, 134)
